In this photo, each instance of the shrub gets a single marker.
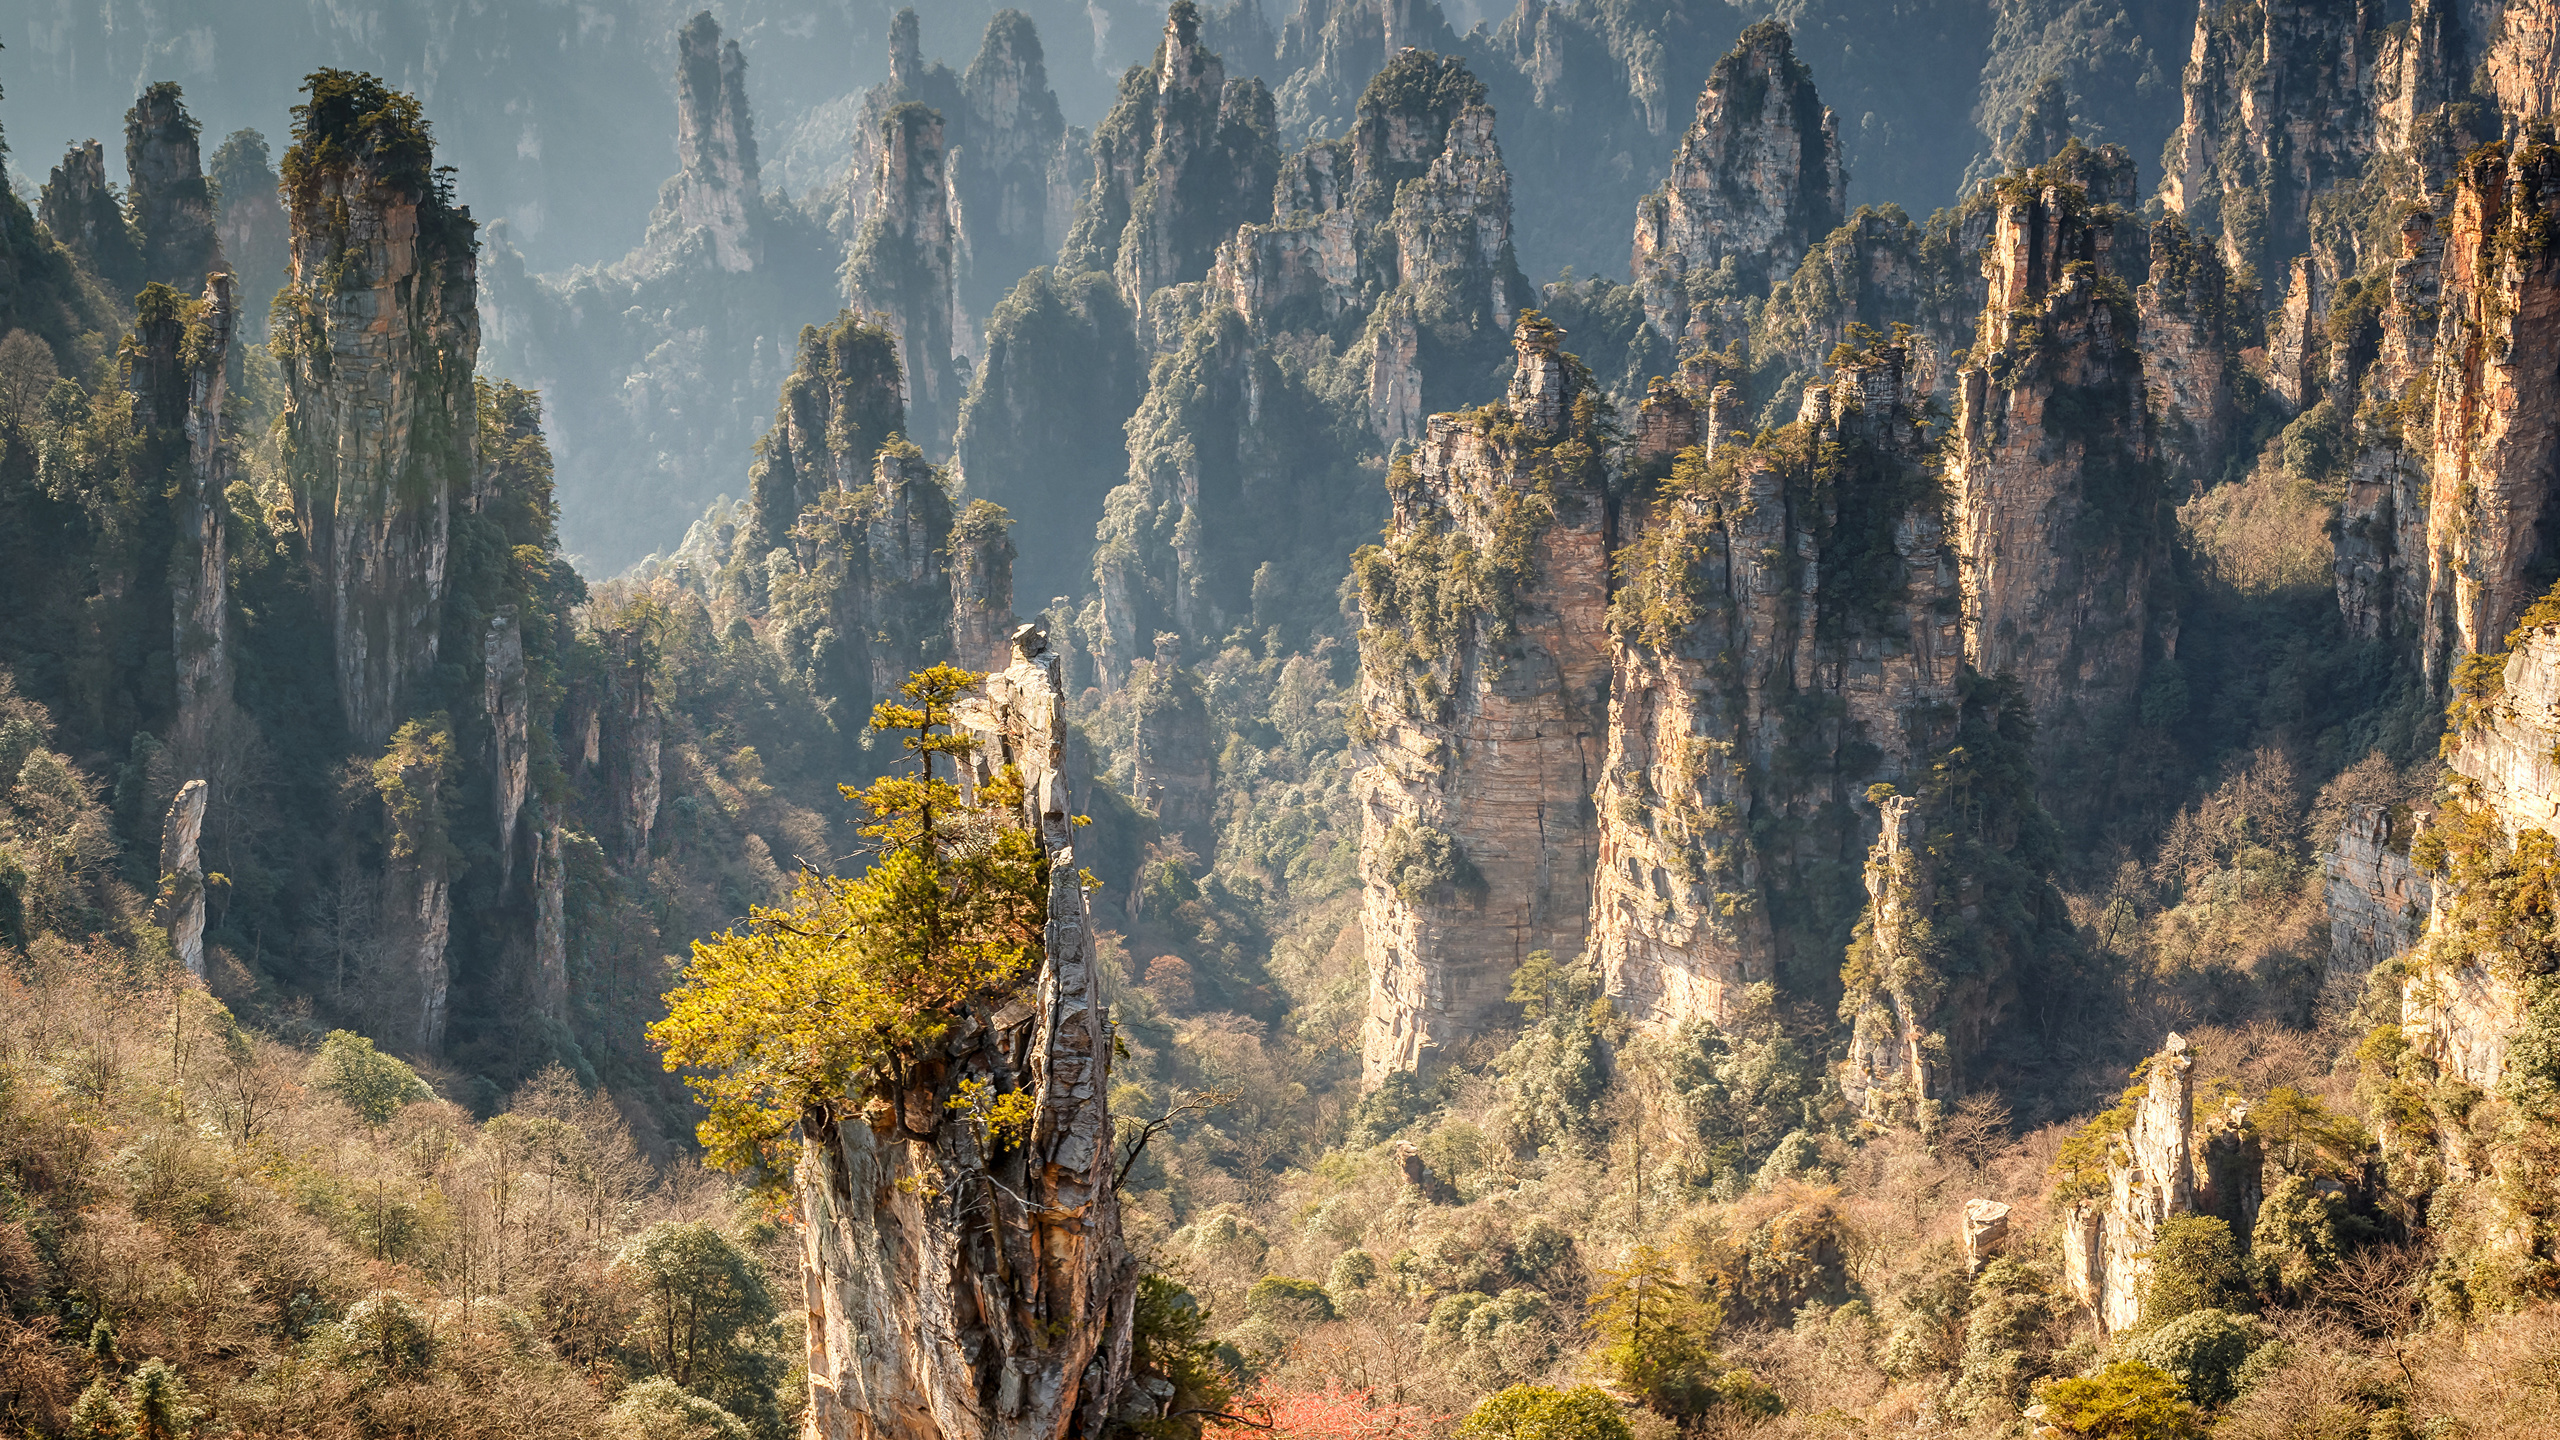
(2202, 1350)
(1283, 1300)
(2194, 1266)
(374, 1085)
(2128, 1400)
(1539, 1412)
(659, 1409)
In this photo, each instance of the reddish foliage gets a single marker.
(1332, 1413)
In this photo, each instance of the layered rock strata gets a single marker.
(2150, 1178)
(1481, 714)
(380, 334)
(1807, 575)
(182, 351)
(960, 1283)
(1174, 776)
(2378, 898)
(1756, 182)
(2059, 501)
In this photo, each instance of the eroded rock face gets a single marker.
(173, 215)
(380, 419)
(177, 378)
(2280, 104)
(180, 908)
(2151, 1177)
(839, 405)
(79, 207)
(1757, 181)
(1483, 725)
(956, 1286)
(412, 976)
(1750, 591)
(507, 705)
(2494, 435)
(902, 265)
(717, 192)
(2378, 900)
(2059, 512)
(549, 980)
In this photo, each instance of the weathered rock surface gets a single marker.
(173, 219)
(959, 1287)
(1482, 725)
(717, 193)
(2378, 899)
(1757, 181)
(507, 705)
(380, 417)
(79, 207)
(838, 406)
(1759, 587)
(2060, 512)
(177, 376)
(2151, 1177)
(180, 908)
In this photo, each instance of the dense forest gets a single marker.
(1365, 720)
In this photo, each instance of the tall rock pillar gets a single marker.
(381, 333)
(960, 1285)
(1482, 708)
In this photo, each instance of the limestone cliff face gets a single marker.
(506, 702)
(2492, 434)
(1481, 714)
(1757, 181)
(2189, 342)
(2280, 103)
(625, 741)
(1406, 217)
(180, 358)
(1880, 270)
(380, 421)
(960, 1285)
(180, 907)
(411, 980)
(79, 207)
(1807, 575)
(2378, 899)
(172, 205)
(717, 192)
(251, 226)
(1330, 48)
(1182, 159)
(901, 268)
(2381, 559)
(2060, 502)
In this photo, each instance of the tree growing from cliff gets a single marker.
(820, 1004)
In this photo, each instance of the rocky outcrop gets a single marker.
(982, 555)
(2059, 500)
(409, 989)
(716, 198)
(2189, 342)
(80, 208)
(180, 908)
(1174, 778)
(628, 741)
(2150, 1178)
(1009, 138)
(2491, 429)
(173, 219)
(1330, 48)
(2378, 899)
(2280, 104)
(1183, 158)
(1481, 712)
(901, 268)
(549, 977)
(380, 422)
(1763, 583)
(1757, 181)
(960, 1282)
(2381, 541)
